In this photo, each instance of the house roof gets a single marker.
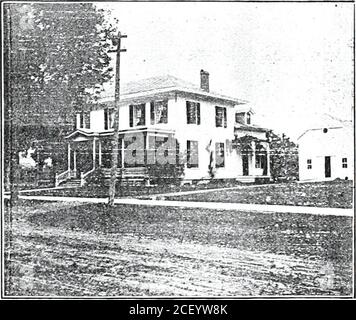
(330, 122)
(154, 83)
(165, 84)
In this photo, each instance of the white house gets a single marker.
(211, 130)
(327, 152)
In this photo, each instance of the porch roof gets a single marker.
(246, 127)
(88, 134)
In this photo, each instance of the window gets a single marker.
(159, 112)
(193, 112)
(258, 161)
(219, 155)
(192, 154)
(220, 117)
(137, 115)
(248, 118)
(109, 117)
(344, 162)
(309, 164)
(240, 117)
(261, 157)
(80, 120)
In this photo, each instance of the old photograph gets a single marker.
(177, 149)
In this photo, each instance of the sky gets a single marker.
(293, 62)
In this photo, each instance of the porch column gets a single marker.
(99, 142)
(69, 151)
(146, 148)
(268, 159)
(253, 146)
(122, 152)
(94, 153)
(75, 160)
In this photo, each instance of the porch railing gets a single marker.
(83, 176)
(64, 176)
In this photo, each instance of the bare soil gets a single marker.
(56, 249)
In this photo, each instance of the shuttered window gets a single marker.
(219, 155)
(109, 118)
(192, 154)
(193, 112)
(220, 117)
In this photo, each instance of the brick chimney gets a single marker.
(204, 80)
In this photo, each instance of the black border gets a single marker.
(233, 303)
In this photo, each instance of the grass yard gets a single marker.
(75, 250)
(333, 194)
(131, 191)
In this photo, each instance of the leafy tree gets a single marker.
(283, 158)
(55, 63)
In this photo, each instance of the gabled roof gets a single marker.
(165, 84)
(330, 122)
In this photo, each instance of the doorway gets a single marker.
(245, 165)
(327, 167)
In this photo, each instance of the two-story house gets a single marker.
(214, 132)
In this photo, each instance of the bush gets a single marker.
(165, 173)
(97, 178)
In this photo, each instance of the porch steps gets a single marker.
(129, 176)
(247, 179)
(71, 183)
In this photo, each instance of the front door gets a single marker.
(327, 167)
(264, 164)
(245, 164)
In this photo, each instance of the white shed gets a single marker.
(327, 153)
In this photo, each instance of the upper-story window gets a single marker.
(80, 120)
(159, 112)
(137, 115)
(243, 117)
(220, 117)
(248, 118)
(240, 117)
(193, 112)
(109, 117)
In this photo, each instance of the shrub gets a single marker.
(165, 173)
(97, 178)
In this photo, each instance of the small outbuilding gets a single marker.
(327, 152)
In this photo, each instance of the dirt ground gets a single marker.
(71, 250)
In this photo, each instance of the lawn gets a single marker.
(333, 194)
(127, 190)
(74, 250)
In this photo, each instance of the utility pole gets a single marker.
(115, 141)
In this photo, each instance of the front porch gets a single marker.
(255, 158)
(88, 151)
